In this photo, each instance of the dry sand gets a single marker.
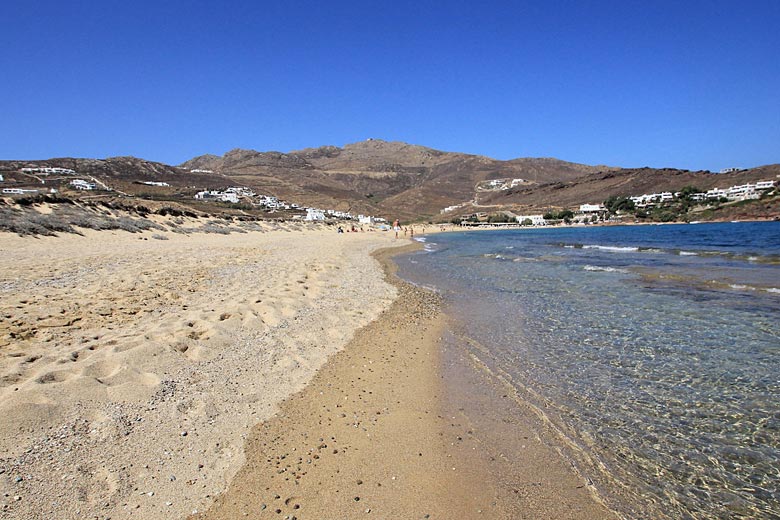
(132, 369)
(261, 375)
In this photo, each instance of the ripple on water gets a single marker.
(663, 367)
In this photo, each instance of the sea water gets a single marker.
(655, 350)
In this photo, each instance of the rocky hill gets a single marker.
(121, 170)
(596, 187)
(375, 176)
(390, 179)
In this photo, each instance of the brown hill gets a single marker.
(597, 187)
(390, 179)
(123, 170)
(379, 177)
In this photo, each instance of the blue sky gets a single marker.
(688, 84)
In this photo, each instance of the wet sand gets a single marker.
(392, 427)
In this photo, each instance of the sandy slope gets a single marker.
(132, 369)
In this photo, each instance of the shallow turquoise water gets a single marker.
(654, 349)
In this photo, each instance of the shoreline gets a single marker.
(218, 376)
(345, 445)
(486, 226)
(368, 435)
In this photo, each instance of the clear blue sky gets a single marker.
(688, 84)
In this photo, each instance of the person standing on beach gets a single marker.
(396, 227)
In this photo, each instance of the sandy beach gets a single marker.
(278, 374)
(133, 369)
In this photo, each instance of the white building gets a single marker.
(81, 184)
(366, 219)
(536, 220)
(314, 214)
(49, 171)
(219, 196)
(241, 191)
(17, 191)
(340, 214)
(716, 193)
(743, 192)
(592, 208)
(643, 201)
(268, 201)
(155, 183)
(698, 197)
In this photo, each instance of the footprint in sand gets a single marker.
(125, 346)
(56, 376)
(126, 375)
(268, 314)
(10, 379)
(100, 370)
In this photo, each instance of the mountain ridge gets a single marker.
(390, 178)
(377, 175)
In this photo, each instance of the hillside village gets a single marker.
(374, 181)
(595, 213)
(237, 194)
(58, 181)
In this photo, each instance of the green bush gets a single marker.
(617, 203)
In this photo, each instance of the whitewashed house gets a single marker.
(592, 208)
(241, 191)
(49, 171)
(81, 184)
(536, 220)
(228, 197)
(17, 191)
(314, 214)
(219, 196)
(716, 193)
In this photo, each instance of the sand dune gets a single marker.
(132, 369)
